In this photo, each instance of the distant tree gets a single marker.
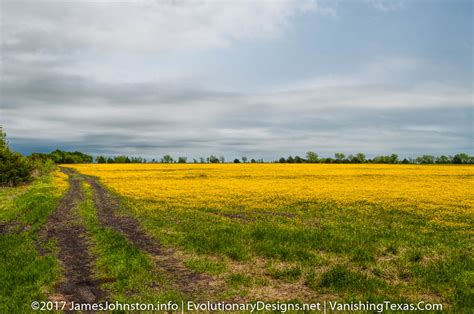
(213, 159)
(361, 157)
(425, 159)
(182, 160)
(461, 159)
(101, 159)
(110, 160)
(339, 157)
(236, 161)
(137, 160)
(290, 160)
(298, 159)
(167, 159)
(443, 160)
(222, 159)
(195, 160)
(312, 157)
(63, 157)
(356, 159)
(202, 160)
(253, 161)
(393, 159)
(3, 139)
(282, 160)
(122, 159)
(405, 161)
(244, 159)
(381, 159)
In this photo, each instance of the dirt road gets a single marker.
(64, 226)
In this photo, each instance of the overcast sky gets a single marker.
(263, 79)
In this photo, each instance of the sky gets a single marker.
(261, 79)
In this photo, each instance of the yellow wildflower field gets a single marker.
(445, 190)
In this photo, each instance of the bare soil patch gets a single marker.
(13, 227)
(64, 226)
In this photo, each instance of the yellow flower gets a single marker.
(440, 192)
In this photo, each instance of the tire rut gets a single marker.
(64, 226)
(186, 280)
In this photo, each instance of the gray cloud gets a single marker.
(139, 119)
(48, 101)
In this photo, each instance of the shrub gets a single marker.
(14, 168)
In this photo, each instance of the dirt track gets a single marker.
(185, 280)
(64, 226)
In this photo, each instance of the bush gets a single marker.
(14, 168)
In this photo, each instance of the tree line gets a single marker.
(63, 157)
(310, 157)
(17, 169)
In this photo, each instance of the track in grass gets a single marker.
(65, 227)
(186, 280)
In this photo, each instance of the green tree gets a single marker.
(182, 160)
(3, 139)
(14, 168)
(394, 159)
(461, 158)
(213, 159)
(100, 159)
(443, 159)
(167, 159)
(339, 157)
(425, 159)
(360, 157)
(312, 157)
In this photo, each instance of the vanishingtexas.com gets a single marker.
(191, 306)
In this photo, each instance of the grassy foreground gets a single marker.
(310, 232)
(25, 275)
(128, 273)
(258, 232)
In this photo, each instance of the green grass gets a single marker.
(129, 273)
(358, 251)
(342, 279)
(372, 251)
(288, 274)
(25, 275)
(237, 280)
(8, 196)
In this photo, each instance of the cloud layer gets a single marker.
(49, 100)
